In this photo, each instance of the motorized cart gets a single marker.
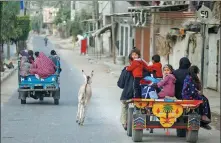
(38, 88)
(181, 115)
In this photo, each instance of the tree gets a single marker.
(78, 26)
(9, 23)
(1, 45)
(23, 24)
(64, 14)
(36, 23)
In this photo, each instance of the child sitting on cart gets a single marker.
(156, 67)
(137, 66)
(166, 87)
(192, 91)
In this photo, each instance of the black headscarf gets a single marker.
(180, 75)
(184, 63)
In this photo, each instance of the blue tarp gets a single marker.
(21, 4)
(152, 79)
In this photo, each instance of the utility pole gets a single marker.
(113, 31)
(96, 14)
(95, 24)
(204, 14)
(202, 53)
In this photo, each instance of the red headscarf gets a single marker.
(43, 66)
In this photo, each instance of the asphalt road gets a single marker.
(43, 122)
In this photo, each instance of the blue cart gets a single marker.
(30, 86)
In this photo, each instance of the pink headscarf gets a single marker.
(43, 66)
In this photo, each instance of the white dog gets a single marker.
(84, 96)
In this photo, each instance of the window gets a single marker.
(73, 5)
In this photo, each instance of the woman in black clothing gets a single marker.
(180, 74)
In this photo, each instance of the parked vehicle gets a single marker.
(181, 115)
(31, 86)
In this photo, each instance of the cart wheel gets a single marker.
(181, 132)
(137, 135)
(56, 101)
(192, 136)
(23, 101)
(41, 98)
(22, 96)
(129, 121)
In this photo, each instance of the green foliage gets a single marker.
(64, 14)
(78, 26)
(75, 28)
(9, 26)
(36, 23)
(23, 23)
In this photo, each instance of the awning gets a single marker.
(102, 30)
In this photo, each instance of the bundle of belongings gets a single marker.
(147, 90)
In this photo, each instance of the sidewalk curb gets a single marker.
(29, 44)
(9, 74)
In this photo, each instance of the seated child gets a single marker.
(167, 84)
(136, 67)
(192, 91)
(156, 67)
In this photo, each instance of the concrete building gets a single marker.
(49, 14)
(103, 35)
(165, 35)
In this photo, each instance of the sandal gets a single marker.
(205, 119)
(206, 126)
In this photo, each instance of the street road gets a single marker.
(44, 122)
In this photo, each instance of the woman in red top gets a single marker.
(136, 67)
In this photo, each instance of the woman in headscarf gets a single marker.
(54, 57)
(24, 66)
(31, 56)
(180, 74)
(24, 53)
(43, 66)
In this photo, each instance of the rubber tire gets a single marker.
(181, 132)
(129, 121)
(137, 135)
(41, 98)
(56, 101)
(192, 136)
(23, 101)
(57, 94)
